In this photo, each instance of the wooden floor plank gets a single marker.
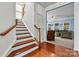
(52, 50)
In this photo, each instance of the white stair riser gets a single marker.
(23, 35)
(18, 10)
(21, 31)
(21, 28)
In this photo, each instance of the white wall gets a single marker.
(29, 16)
(39, 21)
(7, 19)
(45, 26)
(76, 26)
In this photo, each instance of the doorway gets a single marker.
(60, 25)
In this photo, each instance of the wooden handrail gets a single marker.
(39, 35)
(7, 30)
(36, 27)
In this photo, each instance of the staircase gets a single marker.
(24, 44)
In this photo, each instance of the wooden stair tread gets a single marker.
(16, 52)
(22, 33)
(22, 30)
(23, 42)
(23, 37)
(20, 27)
(20, 23)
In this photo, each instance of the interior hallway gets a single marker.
(52, 50)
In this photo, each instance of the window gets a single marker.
(66, 26)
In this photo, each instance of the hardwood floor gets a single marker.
(52, 50)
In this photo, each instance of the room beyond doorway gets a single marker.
(60, 25)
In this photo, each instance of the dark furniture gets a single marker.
(51, 35)
(67, 34)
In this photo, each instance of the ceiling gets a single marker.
(45, 4)
(65, 11)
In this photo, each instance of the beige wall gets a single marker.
(7, 19)
(29, 16)
(76, 26)
(39, 21)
